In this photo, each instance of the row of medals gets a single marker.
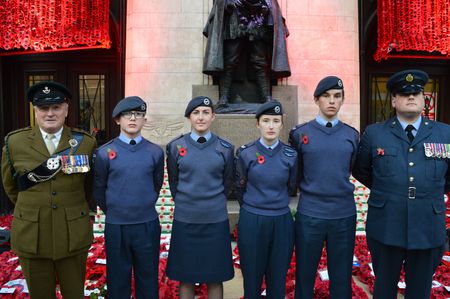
(437, 150)
(70, 164)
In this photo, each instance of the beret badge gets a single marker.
(143, 107)
(409, 78)
(206, 101)
(46, 90)
(277, 109)
(340, 83)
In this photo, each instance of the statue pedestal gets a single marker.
(241, 128)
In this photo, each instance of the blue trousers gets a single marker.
(132, 248)
(265, 248)
(419, 265)
(339, 236)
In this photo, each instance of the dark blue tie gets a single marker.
(409, 129)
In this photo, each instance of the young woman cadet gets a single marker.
(266, 169)
(200, 167)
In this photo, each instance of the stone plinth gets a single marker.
(240, 129)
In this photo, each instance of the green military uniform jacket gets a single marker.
(51, 218)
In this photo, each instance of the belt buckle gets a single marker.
(412, 193)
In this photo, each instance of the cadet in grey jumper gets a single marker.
(129, 172)
(200, 168)
(266, 170)
(326, 210)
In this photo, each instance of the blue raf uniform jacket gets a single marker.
(406, 203)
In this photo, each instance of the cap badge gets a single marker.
(409, 78)
(143, 107)
(277, 109)
(339, 83)
(46, 90)
(206, 101)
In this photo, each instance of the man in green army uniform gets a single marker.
(46, 174)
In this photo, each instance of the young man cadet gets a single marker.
(46, 174)
(326, 210)
(405, 163)
(129, 172)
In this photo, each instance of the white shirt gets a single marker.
(54, 140)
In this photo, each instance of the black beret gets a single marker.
(48, 93)
(132, 103)
(269, 108)
(407, 81)
(327, 83)
(196, 102)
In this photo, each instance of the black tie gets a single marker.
(201, 139)
(409, 129)
(328, 125)
(132, 142)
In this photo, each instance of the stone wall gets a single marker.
(165, 45)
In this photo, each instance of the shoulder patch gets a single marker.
(224, 143)
(288, 151)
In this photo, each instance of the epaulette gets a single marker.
(225, 143)
(106, 144)
(17, 131)
(288, 151)
(250, 144)
(244, 147)
(176, 138)
(351, 128)
(298, 126)
(82, 132)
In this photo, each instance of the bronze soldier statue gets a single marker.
(235, 26)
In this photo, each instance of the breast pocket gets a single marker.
(384, 161)
(436, 168)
